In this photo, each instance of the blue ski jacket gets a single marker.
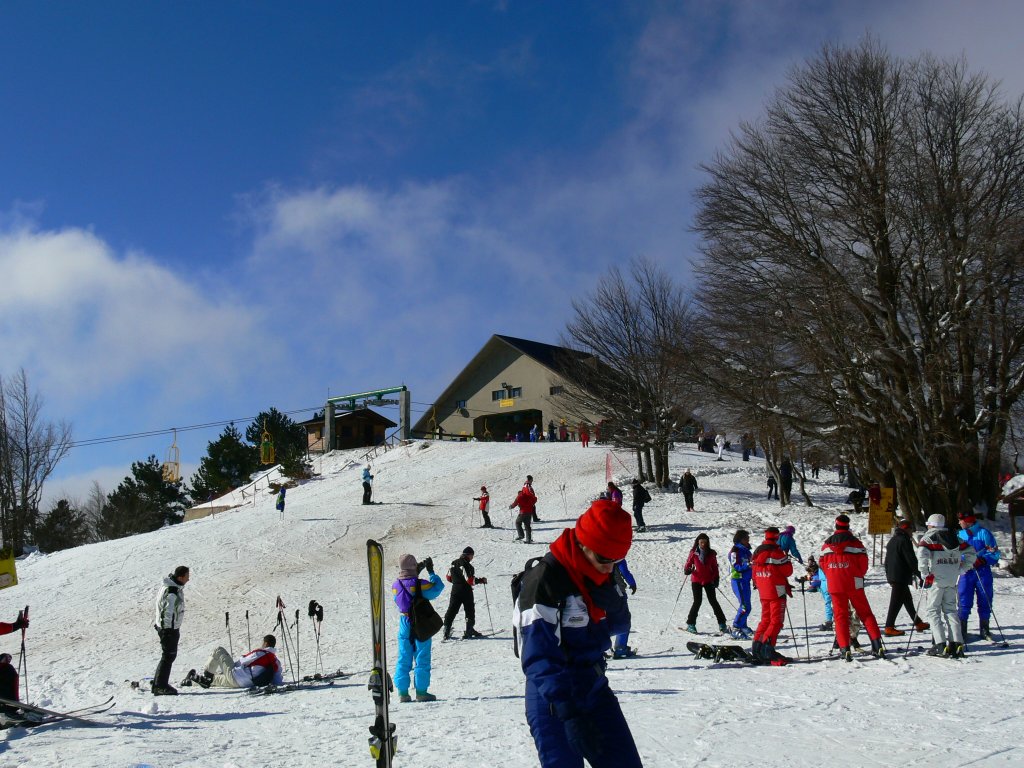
(739, 559)
(981, 538)
(788, 545)
(626, 575)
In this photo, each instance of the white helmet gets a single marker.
(936, 521)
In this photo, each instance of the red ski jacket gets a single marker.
(526, 501)
(705, 572)
(772, 569)
(845, 561)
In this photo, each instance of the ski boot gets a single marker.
(955, 650)
(447, 632)
(471, 633)
(641, 529)
(737, 632)
(938, 650)
(855, 643)
(204, 680)
(921, 626)
(189, 678)
(826, 627)
(877, 648)
(846, 654)
(722, 628)
(691, 628)
(404, 697)
(986, 633)
(623, 652)
(164, 690)
(775, 658)
(756, 649)
(424, 696)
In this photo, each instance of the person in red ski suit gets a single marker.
(526, 500)
(844, 560)
(772, 569)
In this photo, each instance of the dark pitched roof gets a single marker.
(364, 413)
(547, 355)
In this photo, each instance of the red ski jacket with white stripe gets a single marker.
(845, 561)
(772, 569)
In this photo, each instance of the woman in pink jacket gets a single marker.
(702, 568)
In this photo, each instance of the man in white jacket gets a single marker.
(257, 667)
(941, 558)
(170, 611)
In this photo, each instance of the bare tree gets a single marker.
(878, 210)
(30, 449)
(633, 331)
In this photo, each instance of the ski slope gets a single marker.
(92, 617)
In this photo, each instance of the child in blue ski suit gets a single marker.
(410, 650)
(739, 559)
(788, 544)
(979, 579)
(623, 579)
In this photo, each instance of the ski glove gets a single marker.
(714, 584)
(688, 570)
(20, 623)
(929, 580)
(632, 589)
(428, 563)
(481, 580)
(584, 737)
(918, 580)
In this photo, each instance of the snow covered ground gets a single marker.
(92, 616)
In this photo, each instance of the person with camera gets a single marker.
(463, 578)
(413, 654)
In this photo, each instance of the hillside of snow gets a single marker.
(92, 616)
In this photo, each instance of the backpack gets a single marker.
(424, 619)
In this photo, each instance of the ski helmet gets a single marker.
(936, 521)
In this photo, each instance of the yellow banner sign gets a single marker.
(881, 515)
(507, 403)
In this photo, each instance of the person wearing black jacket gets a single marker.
(640, 497)
(462, 578)
(688, 484)
(901, 570)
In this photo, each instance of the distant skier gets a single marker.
(978, 581)
(640, 497)
(565, 613)
(773, 488)
(942, 559)
(702, 568)
(485, 506)
(367, 485)
(688, 485)
(901, 570)
(462, 577)
(719, 445)
(584, 435)
(787, 543)
(170, 610)
(526, 501)
(740, 575)
(785, 481)
(280, 499)
(412, 652)
(845, 561)
(772, 569)
(259, 666)
(623, 580)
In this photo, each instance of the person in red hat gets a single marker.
(845, 561)
(566, 611)
(772, 569)
(485, 506)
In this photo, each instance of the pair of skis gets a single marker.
(383, 741)
(79, 716)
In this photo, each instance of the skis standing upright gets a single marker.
(382, 733)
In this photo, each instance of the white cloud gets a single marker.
(85, 322)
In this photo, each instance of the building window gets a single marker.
(498, 394)
(515, 392)
(460, 403)
(556, 390)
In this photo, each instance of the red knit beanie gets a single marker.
(842, 523)
(771, 535)
(968, 517)
(606, 529)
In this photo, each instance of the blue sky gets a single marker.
(210, 208)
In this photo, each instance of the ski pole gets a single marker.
(23, 657)
(674, 605)
(807, 633)
(283, 628)
(248, 637)
(227, 624)
(487, 604)
(916, 616)
(565, 504)
(298, 658)
(792, 631)
(727, 598)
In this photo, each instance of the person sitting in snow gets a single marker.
(258, 667)
(9, 686)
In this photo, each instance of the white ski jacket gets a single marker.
(942, 554)
(170, 605)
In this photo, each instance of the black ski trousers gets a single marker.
(638, 515)
(688, 496)
(462, 597)
(367, 491)
(708, 589)
(900, 597)
(168, 653)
